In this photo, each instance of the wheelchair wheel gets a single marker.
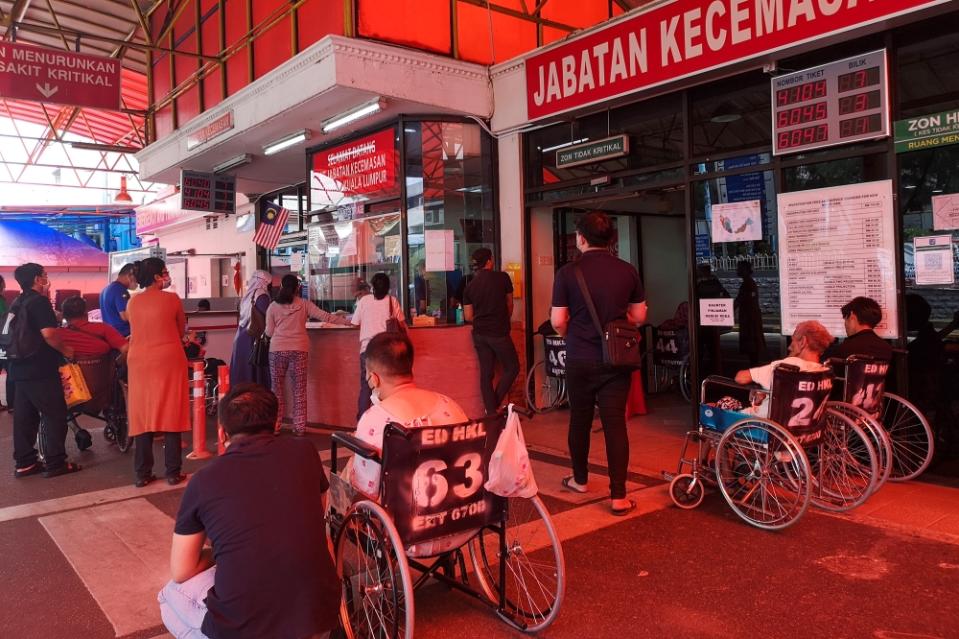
(535, 568)
(543, 393)
(844, 464)
(763, 473)
(877, 437)
(686, 491)
(911, 437)
(117, 419)
(686, 381)
(377, 598)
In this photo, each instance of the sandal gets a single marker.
(570, 484)
(66, 469)
(34, 469)
(619, 512)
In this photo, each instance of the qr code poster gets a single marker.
(737, 222)
(934, 261)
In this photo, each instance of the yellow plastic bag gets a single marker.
(75, 390)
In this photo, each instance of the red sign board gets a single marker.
(206, 133)
(678, 39)
(365, 165)
(61, 77)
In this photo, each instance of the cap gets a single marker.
(480, 257)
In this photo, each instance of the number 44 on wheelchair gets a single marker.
(433, 515)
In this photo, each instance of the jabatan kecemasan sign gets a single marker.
(677, 39)
(47, 75)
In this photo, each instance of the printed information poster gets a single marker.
(716, 312)
(737, 222)
(945, 212)
(439, 250)
(835, 244)
(934, 260)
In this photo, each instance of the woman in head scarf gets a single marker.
(252, 320)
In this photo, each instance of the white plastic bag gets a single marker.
(510, 473)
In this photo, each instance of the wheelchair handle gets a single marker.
(356, 445)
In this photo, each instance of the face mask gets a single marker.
(167, 282)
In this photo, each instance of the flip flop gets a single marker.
(568, 485)
(67, 468)
(619, 512)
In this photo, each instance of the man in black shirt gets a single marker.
(488, 304)
(261, 505)
(860, 316)
(617, 293)
(35, 371)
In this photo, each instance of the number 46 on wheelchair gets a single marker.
(432, 514)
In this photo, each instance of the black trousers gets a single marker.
(490, 350)
(36, 400)
(143, 454)
(592, 384)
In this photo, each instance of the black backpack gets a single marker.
(16, 338)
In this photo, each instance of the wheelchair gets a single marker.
(432, 514)
(769, 470)
(546, 381)
(108, 403)
(667, 359)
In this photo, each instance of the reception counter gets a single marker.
(445, 362)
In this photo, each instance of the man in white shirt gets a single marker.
(809, 342)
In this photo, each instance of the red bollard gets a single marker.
(222, 388)
(198, 384)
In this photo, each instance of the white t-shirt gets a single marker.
(371, 315)
(763, 375)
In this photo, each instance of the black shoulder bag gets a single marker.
(620, 338)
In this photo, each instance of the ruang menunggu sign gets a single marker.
(927, 131)
(592, 152)
(674, 40)
(40, 74)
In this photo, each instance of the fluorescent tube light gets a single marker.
(286, 142)
(233, 163)
(564, 145)
(353, 115)
(108, 148)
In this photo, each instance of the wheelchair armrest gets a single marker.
(836, 362)
(356, 445)
(718, 380)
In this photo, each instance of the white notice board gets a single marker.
(835, 244)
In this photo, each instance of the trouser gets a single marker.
(364, 401)
(11, 386)
(590, 384)
(489, 350)
(143, 454)
(183, 606)
(293, 362)
(38, 399)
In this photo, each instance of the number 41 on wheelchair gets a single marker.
(432, 514)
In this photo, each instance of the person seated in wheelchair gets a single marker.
(396, 399)
(89, 340)
(809, 341)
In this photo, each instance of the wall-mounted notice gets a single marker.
(737, 221)
(945, 212)
(439, 250)
(835, 244)
(934, 262)
(716, 312)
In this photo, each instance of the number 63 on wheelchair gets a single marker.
(432, 514)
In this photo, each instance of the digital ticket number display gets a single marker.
(207, 192)
(836, 103)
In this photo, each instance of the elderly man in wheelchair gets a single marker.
(773, 450)
(97, 348)
(413, 497)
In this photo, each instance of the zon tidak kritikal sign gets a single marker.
(61, 77)
(674, 40)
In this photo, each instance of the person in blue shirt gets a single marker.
(114, 298)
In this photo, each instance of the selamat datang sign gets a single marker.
(39, 74)
(674, 40)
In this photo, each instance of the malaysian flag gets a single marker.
(270, 227)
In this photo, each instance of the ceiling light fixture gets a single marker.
(358, 113)
(564, 145)
(725, 113)
(123, 196)
(109, 148)
(233, 163)
(286, 142)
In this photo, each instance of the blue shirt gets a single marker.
(113, 301)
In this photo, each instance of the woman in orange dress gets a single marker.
(158, 399)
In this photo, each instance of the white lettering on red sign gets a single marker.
(363, 166)
(30, 72)
(685, 37)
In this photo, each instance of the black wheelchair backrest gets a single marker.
(99, 374)
(433, 476)
(671, 345)
(865, 383)
(798, 401)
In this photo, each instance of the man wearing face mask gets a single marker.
(36, 355)
(396, 398)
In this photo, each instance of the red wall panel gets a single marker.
(164, 122)
(210, 30)
(552, 35)
(511, 36)
(318, 18)
(576, 13)
(236, 27)
(187, 105)
(423, 24)
(274, 46)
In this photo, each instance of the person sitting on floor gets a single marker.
(88, 339)
(810, 339)
(396, 398)
(269, 572)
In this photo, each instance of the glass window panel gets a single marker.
(928, 70)
(731, 115)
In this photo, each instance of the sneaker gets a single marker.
(66, 469)
(176, 479)
(34, 469)
(141, 482)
